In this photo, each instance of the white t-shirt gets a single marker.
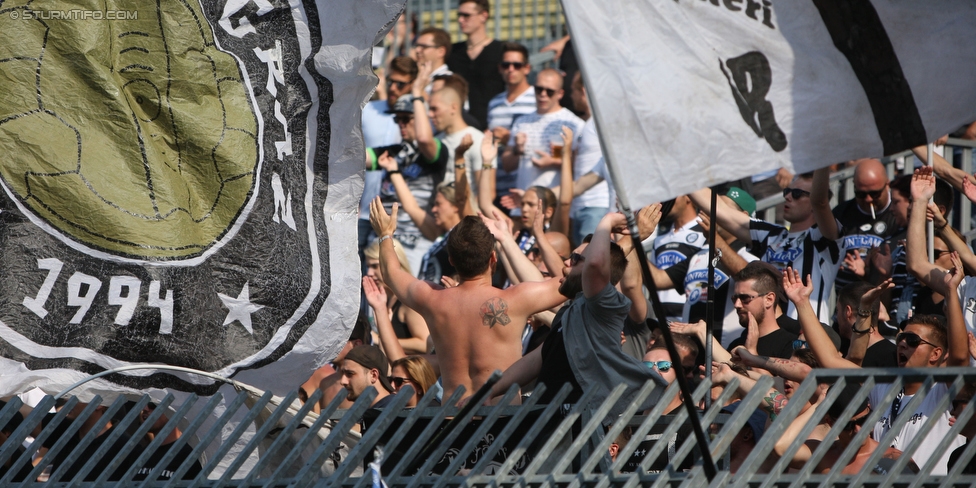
(915, 423)
(539, 129)
(588, 155)
(472, 158)
(379, 130)
(780, 247)
(967, 297)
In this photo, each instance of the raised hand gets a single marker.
(538, 226)
(647, 219)
(722, 373)
(972, 345)
(448, 282)
(794, 287)
(375, 294)
(498, 225)
(873, 296)
(969, 189)
(696, 330)
(854, 263)
(880, 258)
(923, 184)
(567, 135)
(752, 335)
(932, 213)
(466, 143)
(489, 151)
(387, 162)
(501, 135)
(384, 224)
(425, 68)
(956, 274)
(514, 198)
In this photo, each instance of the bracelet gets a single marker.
(863, 313)
(458, 166)
(942, 228)
(393, 172)
(486, 167)
(857, 331)
(385, 238)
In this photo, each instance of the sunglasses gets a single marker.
(876, 194)
(399, 84)
(744, 298)
(575, 258)
(662, 366)
(402, 119)
(424, 46)
(539, 90)
(795, 192)
(939, 252)
(799, 344)
(533, 250)
(398, 381)
(504, 65)
(912, 339)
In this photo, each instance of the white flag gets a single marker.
(689, 93)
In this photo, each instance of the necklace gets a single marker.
(484, 41)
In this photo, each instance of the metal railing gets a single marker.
(259, 444)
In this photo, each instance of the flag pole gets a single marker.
(713, 256)
(623, 203)
(930, 225)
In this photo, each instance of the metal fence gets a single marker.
(259, 443)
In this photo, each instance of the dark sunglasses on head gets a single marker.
(402, 119)
(575, 258)
(662, 366)
(397, 381)
(399, 84)
(548, 91)
(911, 339)
(795, 192)
(504, 65)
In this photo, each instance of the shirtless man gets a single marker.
(476, 328)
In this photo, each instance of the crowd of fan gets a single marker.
(515, 261)
(489, 242)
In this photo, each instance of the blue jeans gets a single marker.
(584, 222)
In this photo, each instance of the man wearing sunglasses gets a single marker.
(476, 58)
(925, 342)
(421, 159)
(518, 99)
(380, 130)
(867, 220)
(529, 149)
(802, 247)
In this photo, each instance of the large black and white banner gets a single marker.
(690, 93)
(180, 187)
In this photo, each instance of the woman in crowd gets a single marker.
(416, 372)
(409, 327)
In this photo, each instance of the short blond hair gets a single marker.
(372, 251)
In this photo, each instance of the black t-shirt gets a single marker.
(861, 232)
(556, 370)
(883, 354)
(481, 73)
(776, 344)
(181, 458)
(103, 463)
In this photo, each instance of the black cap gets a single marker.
(371, 357)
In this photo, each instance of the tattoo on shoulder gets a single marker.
(494, 312)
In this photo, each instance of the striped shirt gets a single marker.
(807, 251)
(502, 113)
(540, 129)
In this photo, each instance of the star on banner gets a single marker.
(240, 308)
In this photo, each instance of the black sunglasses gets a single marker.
(548, 91)
(799, 344)
(399, 84)
(397, 381)
(402, 119)
(575, 258)
(876, 194)
(504, 65)
(858, 421)
(795, 192)
(463, 15)
(939, 252)
(912, 339)
(533, 250)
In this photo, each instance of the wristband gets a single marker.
(863, 313)
(856, 331)
(458, 166)
(385, 238)
(393, 172)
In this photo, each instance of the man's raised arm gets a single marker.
(799, 293)
(820, 199)
(408, 289)
(956, 335)
(916, 260)
(732, 220)
(596, 256)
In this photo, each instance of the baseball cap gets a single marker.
(371, 357)
(743, 199)
(403, 104)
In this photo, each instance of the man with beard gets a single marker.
(755, 301)
(583, 348)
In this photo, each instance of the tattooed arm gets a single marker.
(784, 368)
(789, 437)
(773, 401)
